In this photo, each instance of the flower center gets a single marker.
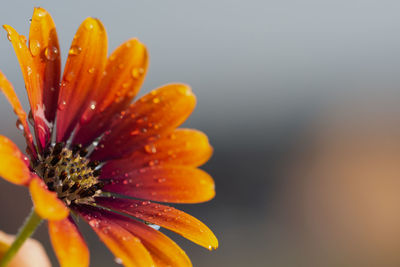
(70, 174)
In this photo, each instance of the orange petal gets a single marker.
(177, 184)
(156, 113)
(125, 246)
(165, 216)
(181, 147)
(83, 71)
(8, 90)
(46, 203)
(13, 166)
(162, 249)
(43, 44)
(68, 243)
(33, 83)
(125, 72)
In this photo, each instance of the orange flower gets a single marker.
(91, 149)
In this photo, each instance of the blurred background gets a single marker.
(300, 100)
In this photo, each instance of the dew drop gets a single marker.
(184, 91)
(29, 70)
(89, 25)
(94, 223)
(22, 38)
(137, 72)
(75, 50)
(39, 14)
(156, 100)
(34, 46)
(91, 70)
(19, 124)
(9, 37)
(92, 105)
(62, 105)
(161, 180)
(118, 261)
(150, 149)
(51, 53)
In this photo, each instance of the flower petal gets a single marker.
(162, 249)
(124, 245)
(46, 203)
(156, 113)
(181, 147)
(124, 74)
(68, 243)
(13, 166)
(177, 184)
(82, 74)
(45, 50)
(8, 90)
(165, 216)
(33, 84)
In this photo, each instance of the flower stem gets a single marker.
(29, 227)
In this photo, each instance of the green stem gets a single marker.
(30, 225)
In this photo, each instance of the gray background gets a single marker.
(263, 72)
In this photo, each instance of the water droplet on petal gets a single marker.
(19, 124)
(91, 70)
(184, 91)
(39, 14)
(92, 105)
(89, 25)
(137, 72)
(161, 180)
(156, 100)
(94, 223)
(51, 53)
(118, 261)
(29, 70)
(62, 105)
(23, 38)
(34, 46)
(9, 37)
(75, 50)
(150, 149)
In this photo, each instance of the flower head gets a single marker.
(98, 156)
